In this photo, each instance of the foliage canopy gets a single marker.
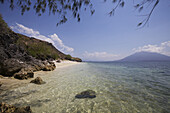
(63, 7)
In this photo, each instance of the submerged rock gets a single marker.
(86, 94)
(38, 80)
(6, 108)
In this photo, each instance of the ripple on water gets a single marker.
(124, 88)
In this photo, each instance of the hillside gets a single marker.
(39, 49)
(21, 55)
(145, 56)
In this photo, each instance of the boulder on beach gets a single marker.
(49, 66)
(38, 80)
(58, 61)
(86, 94)
(24, 75)
(6, 108)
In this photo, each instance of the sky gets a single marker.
(98, 37)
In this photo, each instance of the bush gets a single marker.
(68, 57)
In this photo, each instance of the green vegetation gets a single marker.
(42, 50)
(3, 26)
(39, 49)
(76, 59)
(63, 8)
(68, 57)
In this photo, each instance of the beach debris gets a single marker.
(38, 80)
(6, 108)
(86, 94)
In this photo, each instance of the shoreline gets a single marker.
(11, 83)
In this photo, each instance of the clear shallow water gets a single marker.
(142, 87)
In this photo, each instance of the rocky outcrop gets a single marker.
(86, 94)
(10, 66)
(20, 55)
(15, 61)
(17, 57)
(38, 80)
(6, 108)
(27, 71)
(49, 66)
(23, 69)
(23, 75)
(76, 59)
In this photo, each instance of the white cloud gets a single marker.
(163, 48)
(149, 48)
(59, 43)
(54, 39)
(26, 30)
(99, 56)
(166, 44)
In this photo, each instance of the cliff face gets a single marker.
(20, 55)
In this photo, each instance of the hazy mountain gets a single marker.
(145, 56)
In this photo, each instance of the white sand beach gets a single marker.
(11, 82)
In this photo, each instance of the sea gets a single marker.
(121, 87)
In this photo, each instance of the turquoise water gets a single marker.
(142, 87)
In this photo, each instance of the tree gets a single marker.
(63, 7)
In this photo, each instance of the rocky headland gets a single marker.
(21, 56)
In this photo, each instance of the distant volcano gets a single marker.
(145, 56)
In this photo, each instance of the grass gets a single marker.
(38, 48)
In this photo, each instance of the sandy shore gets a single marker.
(10, 82)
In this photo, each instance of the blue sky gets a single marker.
(98, 37)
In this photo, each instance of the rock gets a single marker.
(10, 67)
(24, 75)
(76, 59)
(86, 94)
(6, 108)
(38, 80)
(58, 61)
(49, 66)
(26, 109)
(0, 84)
